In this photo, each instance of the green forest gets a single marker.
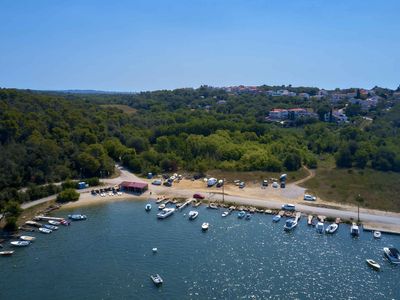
(47, 137)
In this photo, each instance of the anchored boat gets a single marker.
(332, 228)
(373, 264)
(225, 213)
(77, 217)
(6, 253)
(377, 234)
(148, 207)
(157, 280)
(45, 230)
(205, 226)
(193, 214)
(320, 227)
(392, 254)
(165, 213)
(276, 218)
(241, 214)
(27, 238)
(20, 243)
(51, 227)
(290, 224)
(54, 223)
(354, 230)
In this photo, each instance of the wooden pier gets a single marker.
(185, 204)
(44, 218)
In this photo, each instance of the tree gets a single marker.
(343, 158)
(68, 195)
(292, 162)
(361, 158)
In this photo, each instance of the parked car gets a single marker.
(289, 207)
(220, 183)
(309, 197)
(198, 196)
(283, 185)
(157, 182)
(275, 185)
(265, 182)
(167, 183)
(242, 185)
(211, 182)
(283, 177)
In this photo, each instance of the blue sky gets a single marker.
(147, 45)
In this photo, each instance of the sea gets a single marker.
(109, 256)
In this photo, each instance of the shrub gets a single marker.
(11, 223)
(68, 195)
(94, 181)
(69, 184)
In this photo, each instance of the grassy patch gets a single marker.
(379, 190)
(124, 108)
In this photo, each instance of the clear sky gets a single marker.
(155, 44)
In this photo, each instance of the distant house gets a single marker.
(336, 116)
(365, 104)
(304, 95)
(221, 102)
(278, 114)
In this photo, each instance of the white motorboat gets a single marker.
(154, 250)
(77, 217)
(319, 227)
(373, 264)
(51, 227)
(205, 226)
(6, 253)
(213, 206)
(354, 230)
(157, 280)
(20, 243)
(165, 213)
(148, 207)
(27, 238)
(377, 234)
(161, 206)
(225, 213)
(193, 214)
(276, 218)
(392, 254)
(332, 228)
(290, 224)
(45, 230)
(55, 223)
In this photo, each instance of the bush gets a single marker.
(68, 195)
(11, 224)
(69, 184)
(94, 181)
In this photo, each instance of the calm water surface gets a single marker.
(109, 256)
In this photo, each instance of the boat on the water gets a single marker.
(319, 227)
(354, 230)
(154, 250)
(193, 214)
(332, 228)
(276, 218)
(65, 222)
(248, 216)
(314, 221)
(373, 264)
(77, 217)
(212, 206)
(290, 224)
(161, 206)
(33, 223)
(225, 214)
(392, 254)
(27, 238)
(241, 214)
(20, 243)
(148, 207)
(377, 234)
(51, 227)
(45, 230)
(6, 253)
(165, 213)
(205, 226)
(157, 280)
(55, 223)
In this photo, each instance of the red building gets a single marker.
(134, 187)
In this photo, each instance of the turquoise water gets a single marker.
(109, 256)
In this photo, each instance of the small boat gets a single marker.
(77, 217)
(241, 214)
(373, 264)
(193, 214)
(148, 207)
(314, 222)
(205, 226)
(225, 214)
(268, 211)
(332, 228)
(6, 253)
(154, 250)
(354, 230)
(20, 243)
(51, 227)
(55, 223)
(165, 213)
(276, 218)
(377, 234)
(27, 238)
(45, 230)
(161, 206)
(212, 206)
(248, 216)
(157, 280)
(320, 227)
(290, 224)
(392, 254)
(33, 223)
(309, 220)
(65, 222)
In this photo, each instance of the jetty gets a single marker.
(45, 218)
(185, 204)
